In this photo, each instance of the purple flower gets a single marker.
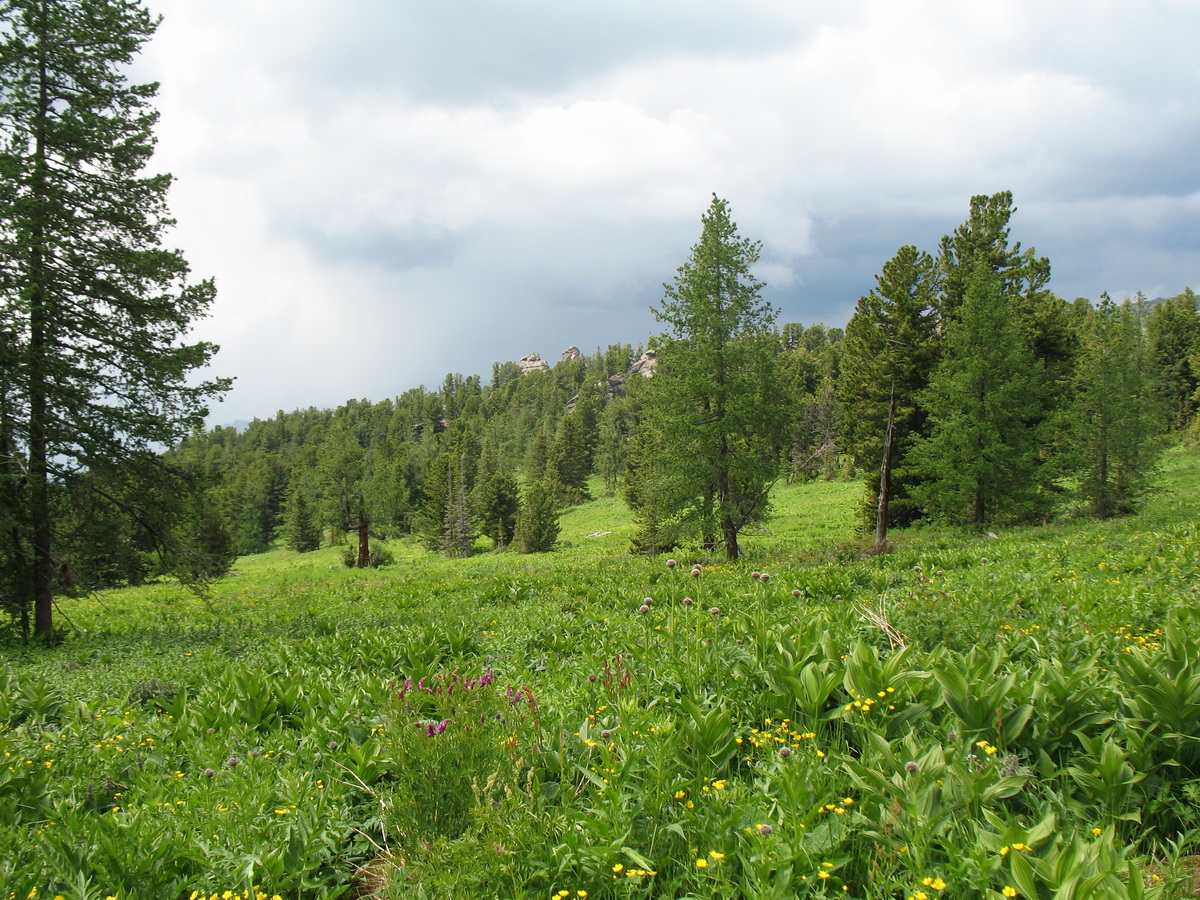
(487, 678)
(432, 730)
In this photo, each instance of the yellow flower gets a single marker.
(937, 884)
(702, 863)
(1008, 891)
(618, 868)
(1004, 850)
(1097, 831)
(679, 795)
(581, 893)
(822, 874)
(715, 855)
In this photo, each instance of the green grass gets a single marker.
(940, 706)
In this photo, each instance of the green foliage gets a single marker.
(93, 310)
(1173, 331)
(890, 352)
(980, 462)
(299, 527)
(537, 524)
(1114, 411)
(288, 733)
(718, 430)
(499, 504)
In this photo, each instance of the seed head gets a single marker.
(209, 773)
(716, 610)
(643, 609)
(765, 829)
(671, 564)
(795, 592)
(785, 751)
(688, 601)
(910, 766)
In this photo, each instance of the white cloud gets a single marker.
(424, 187)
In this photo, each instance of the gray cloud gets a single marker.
(424, 187)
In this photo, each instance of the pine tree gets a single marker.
(1173, 327)
(712, 403)
(499, 504)
(888, 356)
(980, 461)
(1114, 416)
(537, 524)
(93, 308)
(299, 528)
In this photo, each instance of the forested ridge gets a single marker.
(989, 399)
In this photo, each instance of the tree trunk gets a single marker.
(885, 477)
(364, 544)
(39, 413)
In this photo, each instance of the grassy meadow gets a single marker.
(1014, 714)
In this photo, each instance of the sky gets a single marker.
(386, 191)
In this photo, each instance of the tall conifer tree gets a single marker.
(984, 400)
(94, 310)
(712, 399)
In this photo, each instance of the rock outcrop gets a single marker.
(533, 363)
(646, 365)
(571, 353)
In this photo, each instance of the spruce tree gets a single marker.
(93, 309)
(712, 402)
(299, 527)
(1114, 417)
(980, 462)
(537, 524)
(498, 505)
(888, 357)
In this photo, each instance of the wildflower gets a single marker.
(716, 610)
(671, 564)
(715, 855)
(643, 609)
(1097, 831)
(822, 874)
(702, 863)
(688, 601)
(785, 751)
(764, 578)
(795, 592)
(911, 766)
(1008, 891)
(618, 868)
(765, 829)
(679, 795)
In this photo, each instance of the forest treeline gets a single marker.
(962, 389)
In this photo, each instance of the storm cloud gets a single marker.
(385, 192)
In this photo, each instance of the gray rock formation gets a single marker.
(646, 365)
(572, 353)
(533, 363)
